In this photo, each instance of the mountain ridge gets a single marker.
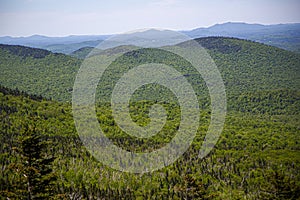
(286, 36)
(245, 66)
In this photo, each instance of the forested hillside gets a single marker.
(245, 66)
(38, 71)
(256, 157)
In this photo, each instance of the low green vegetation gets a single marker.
(257, 156)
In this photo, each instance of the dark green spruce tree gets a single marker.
(36, 164)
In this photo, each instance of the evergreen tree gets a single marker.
(36, 165)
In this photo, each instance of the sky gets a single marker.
(98, 17)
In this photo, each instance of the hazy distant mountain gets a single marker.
(285, 36)
(244, 29)
(70, 48)
(56, 44)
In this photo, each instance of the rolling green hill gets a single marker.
(247, 68)
(47, 74)
(83, 52)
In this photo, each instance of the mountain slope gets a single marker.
(245, 66)
(254, 155)
(24, 52)
(38, 71)
(83, 52)
(251, 66)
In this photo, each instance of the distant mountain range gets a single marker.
(285, 36)
(64, 45)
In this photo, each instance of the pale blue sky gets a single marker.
(94, 17)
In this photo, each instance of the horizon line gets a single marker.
(110, 34)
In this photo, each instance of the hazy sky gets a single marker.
(94, 17)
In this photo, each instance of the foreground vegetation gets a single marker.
(257, 157)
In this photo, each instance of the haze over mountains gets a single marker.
(285, 36)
